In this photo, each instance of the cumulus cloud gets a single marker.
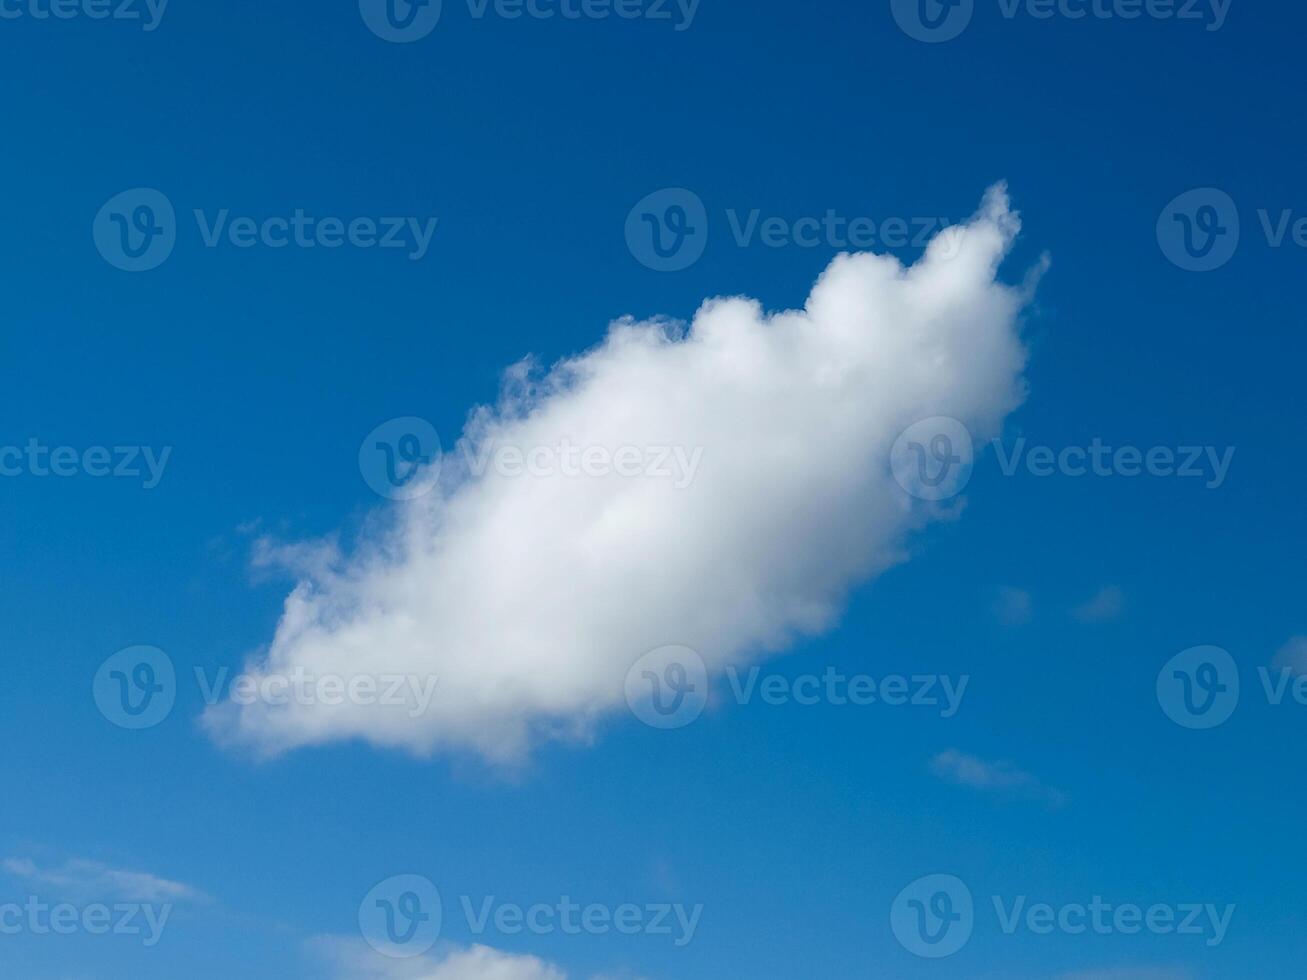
(93, 879)
(530, 596)
(968, 770)
(352, 960)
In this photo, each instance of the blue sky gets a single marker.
(1062, 775)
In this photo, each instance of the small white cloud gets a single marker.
(1293, 655)
(1013, 607)
(529, 597)
(1104, 607)
(968, 770)
(352, 960)
(94, 879)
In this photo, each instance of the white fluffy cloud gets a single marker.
(530, 596)
(351, 960)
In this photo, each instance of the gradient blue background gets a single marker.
(531, 140)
